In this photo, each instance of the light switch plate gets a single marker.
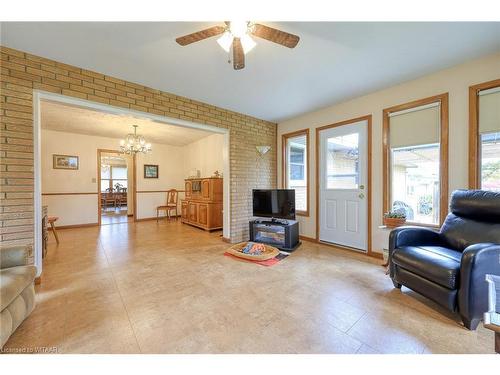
(94, 180)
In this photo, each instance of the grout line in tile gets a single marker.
(121, 299)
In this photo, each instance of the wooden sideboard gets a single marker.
(202, 205)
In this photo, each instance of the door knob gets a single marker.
(361, 196)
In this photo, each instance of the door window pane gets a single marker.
(415, 182)
(490, 161)
(296, 169)
(342, 162)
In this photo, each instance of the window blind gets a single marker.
(489, 110)
(415, 127)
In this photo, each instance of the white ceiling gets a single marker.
(333, 61)
(66, 118)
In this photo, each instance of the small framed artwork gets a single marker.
(64, 162)
(150, 171)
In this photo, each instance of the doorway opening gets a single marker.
(115, 174)
(74, 129)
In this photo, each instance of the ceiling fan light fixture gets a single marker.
(238, 28)
(237, 36)
(247, 43)
(225, 41)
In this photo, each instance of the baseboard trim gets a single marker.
(352, 250)
(159, 218)
(145, 219)
(376, 254)
(74, 226)
(306, 238)
(225, 239)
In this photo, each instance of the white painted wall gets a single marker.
(174, 166)
(455, 81)
(72, 209)
(170, 176)
(205, 155)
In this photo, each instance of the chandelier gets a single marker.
(134, 143)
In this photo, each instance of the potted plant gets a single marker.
(394, 219)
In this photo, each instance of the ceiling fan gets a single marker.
(238, 35)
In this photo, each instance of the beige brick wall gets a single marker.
(21, 73)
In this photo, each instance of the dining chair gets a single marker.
(108, 197)
(51, 220)
(171, 204)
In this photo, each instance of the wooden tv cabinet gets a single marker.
(202, 205)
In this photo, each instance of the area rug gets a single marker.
(257, 253)
(267, 263)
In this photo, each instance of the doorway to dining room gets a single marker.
(115, 174)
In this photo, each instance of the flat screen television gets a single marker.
(275, 203)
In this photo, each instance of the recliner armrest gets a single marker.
(411, 236)
(477, 261)
(14, 256)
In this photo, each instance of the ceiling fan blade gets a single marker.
(238, 55)
(275, 35)
(200, 35)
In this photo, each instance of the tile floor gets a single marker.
(167, 288)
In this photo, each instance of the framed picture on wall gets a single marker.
(64, 162)
(150, 171)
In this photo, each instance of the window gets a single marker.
(113, 177)
(484, 136)
(297, 163)
(295, 168)
(490, 161)
(415, 160)
(415, 182)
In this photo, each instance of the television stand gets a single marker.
(283, 234)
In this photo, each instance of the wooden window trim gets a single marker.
(443, 154)
(474, 158)
(284, 139)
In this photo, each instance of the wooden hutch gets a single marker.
(202, 205)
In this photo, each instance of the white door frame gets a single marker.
(39, 95)
(368, 119)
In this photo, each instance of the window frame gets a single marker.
(443, 154)
(284, 169)
(474, 136)
(111, 179)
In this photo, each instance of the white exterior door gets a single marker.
(343, 208)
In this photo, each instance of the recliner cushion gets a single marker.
(13, 281)
(459, 233)
(435, 263)
(480, 205)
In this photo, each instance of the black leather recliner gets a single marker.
(449, 266)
